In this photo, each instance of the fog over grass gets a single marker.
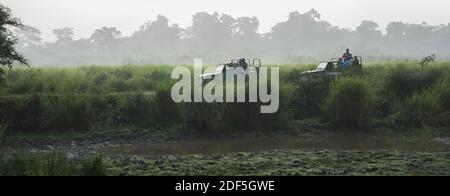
(64, 33)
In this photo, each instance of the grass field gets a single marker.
(56, 106)
(90, 98)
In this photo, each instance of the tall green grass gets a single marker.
(95, 97)
(308, 97)
(92, 79)
(224, 117)
(426, 108)
(50, 165)
(350, 103)
(3, 127)
(79, 112)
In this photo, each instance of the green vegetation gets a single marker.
(309, 95)
(274, 162)
(385, 119)
(83, 99)
(133, 104)
(50, 165)
(349, 104)
(288, 163)
(85, 80)
(3, 128)
(8, 53)
(219, 117)
(94, 98)
(427, 108)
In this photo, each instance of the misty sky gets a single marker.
(87, 15)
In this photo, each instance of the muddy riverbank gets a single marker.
(300, 152)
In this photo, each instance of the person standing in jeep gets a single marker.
(347, 58)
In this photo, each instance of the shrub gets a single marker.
(158, 76)
(24, 81)
(204, 117)
(349, 104)
(101, 78)
(166, 110)
(219, 117)
(23, 113)
(50, 165)
(124, 73)
(93, 167)
(130, 109)
(428, 108)
(444, 99)
(2, 77)
(82, 112)
(34, 165)
(223, 117)
(118, 85)
(98, 83)
(3, 127)
(67, 112)
(415, 110)
(308, 97)
(402, 82)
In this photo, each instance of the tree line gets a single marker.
(303, 37)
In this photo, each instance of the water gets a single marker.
(336, 142)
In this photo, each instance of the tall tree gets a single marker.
(368, 35)
(300, 32)
(64, 35)
(247, 27)
(105, 36)
(158, 37)
(107, 45)
(212, 30)
(28, 36)
(8, 54)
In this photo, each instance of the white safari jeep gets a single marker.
(222, 69)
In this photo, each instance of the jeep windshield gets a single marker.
(322, 66)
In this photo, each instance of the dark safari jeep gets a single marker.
(336, 67)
